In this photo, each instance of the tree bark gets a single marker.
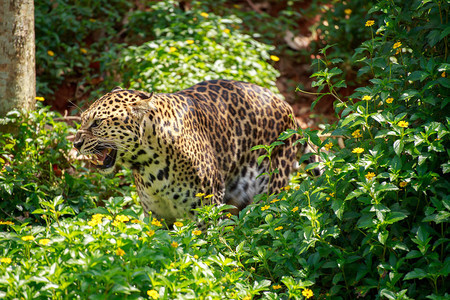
(17, 56)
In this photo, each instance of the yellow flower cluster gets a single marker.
(367, 97)
(328, 146)
(357, 134)
(403, 124)
(28, 238)
(44, 242)
(156, 223)
(120, 252)
(370, 175)
(274, 58)
(150, 233)
(358, 150)
(153, 294)
(370, 23)
(276, 287)
(5, 260)
(6, 223)
(265, 207)
(97, 219)
(307, 293)
(397, 45)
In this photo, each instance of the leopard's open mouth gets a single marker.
(106, 157)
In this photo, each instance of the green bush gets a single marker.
(73, 36)
(189, 47)
(35, 167)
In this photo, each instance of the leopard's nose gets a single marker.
(78, 142)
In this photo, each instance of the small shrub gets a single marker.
(35, 166)
(189, 47)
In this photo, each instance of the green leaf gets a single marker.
(416, 274)
(398, 147)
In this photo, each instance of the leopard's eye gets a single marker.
(95, 124)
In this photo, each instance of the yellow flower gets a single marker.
(209, 196)
(200, 195)
(135, 221)
(328, 146)
(370, 175)
(357, 134)
(196, 256)
(397, 45)
(358, 150)
(247, 298)
(332, 194)
(327, 198)
(150, 233)
(367, 97)
(204, 15)
(197, 232)
(156, 223)
(274, 58)
(278, 228)
(403, 184)
(403, 124)
(189, 42)
(276, 287)
(443, 74)
(44, 242)
(28, 238)
(120, 252)
(153, 294)
(294, 209)
(229, 215)
(307, 293)
(92, 20)
(226, 30)
(40, 98)
(370, 23)
(5, 260)
(389, 100)
(94, 222)
(174, 244)
(83, 50)
(178, 224)
(172, 49)
(347, 11)
(274, 200)
(50, 53)
(265, 207)
(122, 218)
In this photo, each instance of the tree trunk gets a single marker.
(17, 56)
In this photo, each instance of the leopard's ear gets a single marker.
(144, 95)
(142, 106)
(117, 88)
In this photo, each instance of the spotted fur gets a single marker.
(197, 140)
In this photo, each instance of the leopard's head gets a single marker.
(111, 127)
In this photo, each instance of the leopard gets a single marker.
(192, 147)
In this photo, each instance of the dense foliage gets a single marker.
(373, 225)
